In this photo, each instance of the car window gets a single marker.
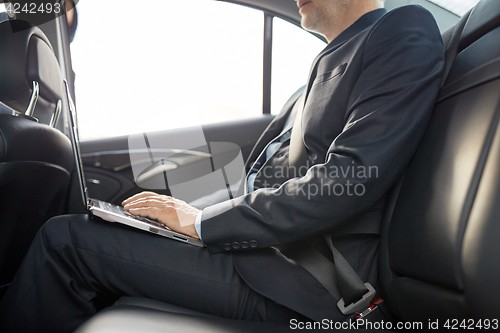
(458, 7)
(293, 52)
(3, 13)
(188, 63)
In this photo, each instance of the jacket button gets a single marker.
(236, 245)
(227, 246)
(244, 245)
(253, 243)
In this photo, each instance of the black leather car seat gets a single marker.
(440, 240)
(35, 159)
(439, 256)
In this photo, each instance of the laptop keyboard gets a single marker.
(120, 211)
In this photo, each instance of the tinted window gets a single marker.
(187, 63)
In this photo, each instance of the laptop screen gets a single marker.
(76, 146)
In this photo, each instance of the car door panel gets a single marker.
(109, 172)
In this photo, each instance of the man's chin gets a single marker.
(309, 26)
(311, 22)
(305, 24)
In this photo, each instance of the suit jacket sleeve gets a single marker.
(387, 112)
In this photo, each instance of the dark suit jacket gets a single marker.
(369, 97)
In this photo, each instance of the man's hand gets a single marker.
(174, 213)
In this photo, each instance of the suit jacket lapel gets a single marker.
(361, 24)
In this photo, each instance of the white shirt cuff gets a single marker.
(197, 224)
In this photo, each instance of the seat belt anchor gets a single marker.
(359, 306)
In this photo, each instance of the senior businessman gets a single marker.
(367, 102)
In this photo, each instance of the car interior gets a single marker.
(440, 233)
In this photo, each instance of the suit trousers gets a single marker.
(77, 265)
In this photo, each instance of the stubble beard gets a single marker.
(321, 19)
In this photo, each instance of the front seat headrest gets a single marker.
(26, 55)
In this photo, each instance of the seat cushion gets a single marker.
(135, 319)
(128, 319)
(157, 305)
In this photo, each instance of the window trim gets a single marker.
(267, 63)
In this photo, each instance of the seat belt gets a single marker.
(339, 278)
(298, 160)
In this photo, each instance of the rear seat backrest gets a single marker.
(35, 159)
(443, 238)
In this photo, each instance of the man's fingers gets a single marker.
(150, 202)
(151, 212)
(139, 196)
(174, 213)
(163, 216)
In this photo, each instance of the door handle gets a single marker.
(155, 169)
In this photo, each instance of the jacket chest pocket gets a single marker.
(324, 106)
(330, 75)
(324, 91)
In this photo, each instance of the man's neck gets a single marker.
(356, 10)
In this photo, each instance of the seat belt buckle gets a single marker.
(359, 306)
(374, 305)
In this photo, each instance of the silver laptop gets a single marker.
(110, 212)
